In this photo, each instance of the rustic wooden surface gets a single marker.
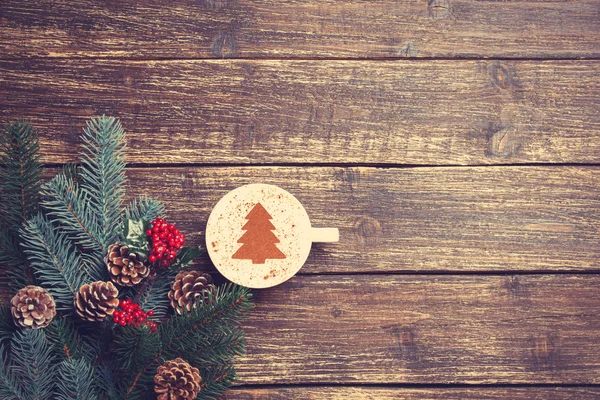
(493, 219)
(303, 28)
(378, 393)
(426, 112)
(468, 265)
(426, 329)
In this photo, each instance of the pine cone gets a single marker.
(190, 288)
(125, 268)
(96, 300)
(33, 307)
(177, 380)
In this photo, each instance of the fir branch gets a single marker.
(66, 341)
(11, 387)
(153, 294)
(68, 205)
(103, 175)
(107, 382)
(20, 172)
(32, 358)
(214, 349)
(10, 253)
(223, 310)
(7, 325)
(76, 380)
(136, 347)
(144, 208)
(54, 259)
(11, 256)
(215, 381)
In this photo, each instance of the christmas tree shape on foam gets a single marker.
(258, 240)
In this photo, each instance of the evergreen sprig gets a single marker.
(182, 336)
(144, 208)
(67, 342)
(68, 206)
(20, 172)
(64, 243)
(7, 326)
(55, 260)
(11, 386)
(154, 294)
(103, 175)
(76, 380)
(32, 360)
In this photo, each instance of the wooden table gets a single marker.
(455, 143)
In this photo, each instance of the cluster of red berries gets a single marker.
(130, 313)
(165, 240)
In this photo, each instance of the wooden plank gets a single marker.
(413, 219)
(382, 393)
(425, 329)
(308, 28)
(404, 112)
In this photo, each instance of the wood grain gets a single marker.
(413, 219)
(305, 28)
(248, 112)
(425, 329)
(382, 393)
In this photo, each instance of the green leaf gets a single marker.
(134, 236)
(186, 255)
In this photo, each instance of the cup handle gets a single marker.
(324, 235)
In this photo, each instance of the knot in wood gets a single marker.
(128, 80)
(544, 353)
(438, 9)
(224, 45)
(367, 227)
(500, 76)
(502, 140)
(188, 181)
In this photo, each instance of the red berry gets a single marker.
(149, 232)
(150, 313)
(152, 258)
